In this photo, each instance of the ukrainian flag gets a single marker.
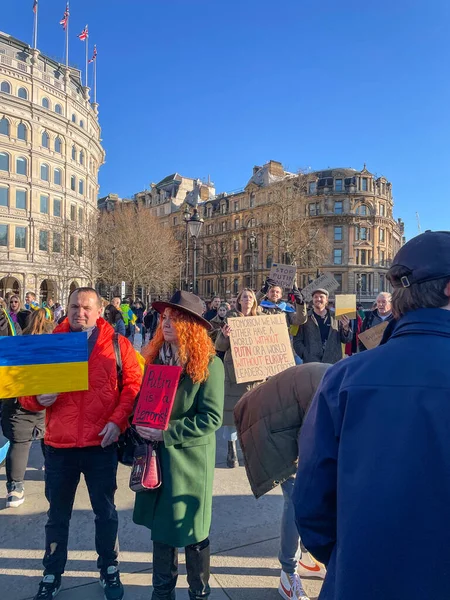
(43, 364)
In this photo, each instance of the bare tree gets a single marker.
(216, 255)
(146, 252)
(296, 238)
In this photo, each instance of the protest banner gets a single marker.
(157, 396)
(43, 364)
(345, 305)
(260, 347)
(284, 275)
(325, 281)
(373, 336)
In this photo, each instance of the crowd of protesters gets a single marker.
(369, 478)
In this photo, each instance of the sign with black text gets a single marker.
(157, 396)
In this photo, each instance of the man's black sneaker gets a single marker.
(110, 582)
(48, 588)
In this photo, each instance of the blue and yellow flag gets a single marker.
(43, 364)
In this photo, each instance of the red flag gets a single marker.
(94, 56)
(65, 18)
(35, 3)
(84, 34)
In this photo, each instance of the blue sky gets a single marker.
(214, 87)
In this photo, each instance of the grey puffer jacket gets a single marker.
(308, 342)
(268, 421)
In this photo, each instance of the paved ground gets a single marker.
(244, 541)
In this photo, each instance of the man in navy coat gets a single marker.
(372, 494)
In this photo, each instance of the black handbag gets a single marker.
(129, 440)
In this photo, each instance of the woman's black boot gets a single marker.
(232, 459)
(165, 571)
(197, 568)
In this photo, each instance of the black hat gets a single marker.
(424, 258)
(187, 303)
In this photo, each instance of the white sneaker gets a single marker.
(308, 567)
(15, 495)
(290, 587)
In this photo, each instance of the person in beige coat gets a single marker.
(268, 421)
(246, 306)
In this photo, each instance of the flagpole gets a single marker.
(87, 57)
(35, 25)
(67, 39)
(95, 80)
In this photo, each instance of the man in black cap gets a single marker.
(374, 474)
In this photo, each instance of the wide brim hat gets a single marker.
(187, 303)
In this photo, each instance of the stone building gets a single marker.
(50, 155)
(352, 209)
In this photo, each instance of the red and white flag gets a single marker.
(65, 18)
(84, 34)
(35, 3)
(94, 56)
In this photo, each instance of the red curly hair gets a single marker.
(195, 347)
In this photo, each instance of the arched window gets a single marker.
(58, 145)
(21, 166)
(5, 87)
(22, 132)
(81, 158)
(4, 161)
(74, 153)
(58, 109)
(22, 93)
(4, 126)
(82, 123)
(45, 140)
(362, 210)
(57, 177)
(74, 118)
(251, 223)
(81, 187)
(44, 172)
(73, 183)
(45, 103)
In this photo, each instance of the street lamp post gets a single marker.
(186, 218)
(252, 246)
(358, 286)
(195, 224)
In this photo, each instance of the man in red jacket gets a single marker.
(81, 433)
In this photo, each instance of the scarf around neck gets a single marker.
(282, 306)
(168, 355)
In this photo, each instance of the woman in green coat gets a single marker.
(179, 512)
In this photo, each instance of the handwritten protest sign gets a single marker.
(157, 396)
(325, 281)
(284, 275)
(373, 336)
(260, 347)
(346, 305)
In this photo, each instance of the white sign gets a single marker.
(122, 290)
(325, 281)
(284, 275)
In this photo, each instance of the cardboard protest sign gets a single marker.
(157, 396)
(260, 347)
(373, 336)
(325, 281)
(345, 305)
(284, 275)
(43, 364)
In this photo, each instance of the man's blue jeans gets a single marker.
(290, 551)
(63, 468)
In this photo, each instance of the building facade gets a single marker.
(352, 211)
(50, 155)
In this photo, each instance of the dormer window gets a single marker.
(338, 185)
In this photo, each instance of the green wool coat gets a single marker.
(179, 512)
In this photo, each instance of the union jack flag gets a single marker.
(65, 18)
(35, 3)
(84, 34)
(94, 56)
